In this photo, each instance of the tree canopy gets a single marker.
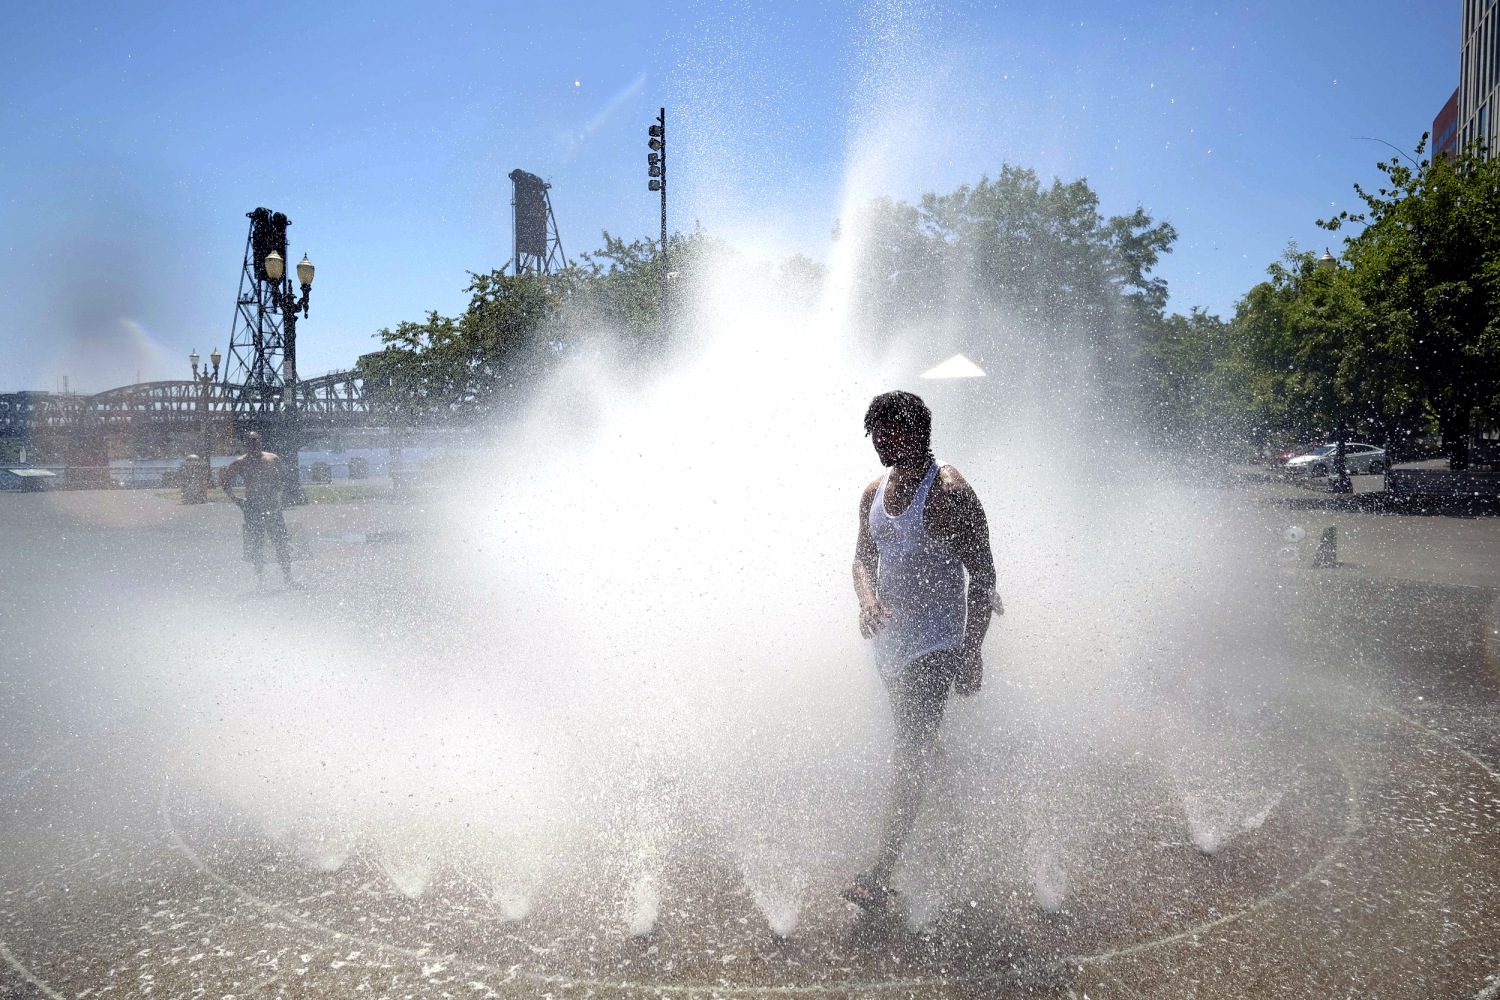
(1042, 256)
(1401, 337)
(1424, 267)
(466, 366)
(1396, 339)
(1039, 254)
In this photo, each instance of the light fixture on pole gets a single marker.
(289, 304)
(197, 471)
(656, 173)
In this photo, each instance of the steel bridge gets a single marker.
(328, 403)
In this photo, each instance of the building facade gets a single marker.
(1445, 129)
(1479, 73)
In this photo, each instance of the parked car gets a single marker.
(1284, 457)
(1359, 460)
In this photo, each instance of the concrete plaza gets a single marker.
(1378, 875)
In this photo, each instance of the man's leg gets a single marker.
(254, 543)
(917, 702)
(912, 765)
(276, 525)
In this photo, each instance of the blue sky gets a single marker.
(135, 137)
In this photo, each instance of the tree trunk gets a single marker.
(1456, 428)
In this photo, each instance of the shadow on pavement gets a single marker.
(1386, 503)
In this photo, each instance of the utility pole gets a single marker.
(1339, 481)
(656, 171)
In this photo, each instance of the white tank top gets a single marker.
(919, 579)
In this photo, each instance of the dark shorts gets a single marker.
(919, 695)
(260, 525)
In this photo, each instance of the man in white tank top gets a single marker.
(921, 531)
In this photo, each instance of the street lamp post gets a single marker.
(197, 471)
(1339, 482)
(289, 305)
(206, 382)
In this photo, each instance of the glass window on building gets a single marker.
(1483, 129)
(1494, 47)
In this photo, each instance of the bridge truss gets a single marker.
(156, 411)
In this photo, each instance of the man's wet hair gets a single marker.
(902, 410)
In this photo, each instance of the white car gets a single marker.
(1359, 460)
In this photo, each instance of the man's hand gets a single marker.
(872, 618)
(970, 674)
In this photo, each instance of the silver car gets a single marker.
(1359, 460)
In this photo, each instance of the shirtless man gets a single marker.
(261, 471)
(921, 526)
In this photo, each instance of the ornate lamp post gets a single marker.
(205, 382)
(290, 305)
(197, 471)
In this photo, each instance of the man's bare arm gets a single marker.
(872, 613)
(227, 476)
(967, 531)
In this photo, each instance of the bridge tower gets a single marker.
(257, 343)
(538, 245)
(261, 377)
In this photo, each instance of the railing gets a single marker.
(169, 477)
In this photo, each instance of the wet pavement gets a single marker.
(1376, 874)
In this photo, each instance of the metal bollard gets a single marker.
(195, 473)
(1327, 556)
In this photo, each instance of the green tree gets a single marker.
(1042, 255)
(898, 281)
(1298, 344)
(446, 367)
(1426, 266)
(395, 377)
(618, 288)
(1193, 388)
(467, 366)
